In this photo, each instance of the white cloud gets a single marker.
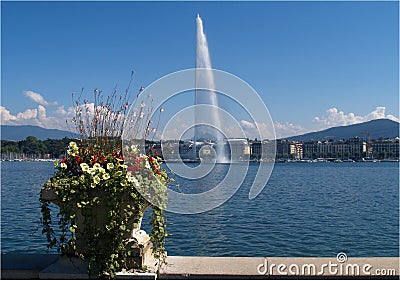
(251, 130)
(41, 112)
(27, 114)
(335, 117)
(288, 129)
(38, 98)
(37, 116)
(247, 124)
(6, 115)
(61, 111)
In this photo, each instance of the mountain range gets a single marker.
(378, 128)
(17, 133)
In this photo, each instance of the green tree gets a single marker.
(32, 146)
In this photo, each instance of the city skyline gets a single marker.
(315, 65)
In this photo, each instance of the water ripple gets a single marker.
(316, 209)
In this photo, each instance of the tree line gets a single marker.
(32, 147)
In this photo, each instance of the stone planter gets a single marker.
(138, 241)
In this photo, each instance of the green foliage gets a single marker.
(32, 146)
(102, 189)
(101, 198)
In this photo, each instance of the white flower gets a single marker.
(134, 148)
(96, 179)
(73, 148)
(106, 176)
(147, 164)
(133, 179)
(102, 170)
(110, 166)
(96, 166)
(63, 165)
(124, 166)
(93, 185)
(118, 173)
(91, 171)
(84, 167)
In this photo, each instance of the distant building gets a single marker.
(268, 150)
(286, 149)
(238, 149)
(255, 149)
(385, 148)
(342, 149)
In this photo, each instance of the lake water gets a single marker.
(306, 209)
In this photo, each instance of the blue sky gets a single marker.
(314, 64)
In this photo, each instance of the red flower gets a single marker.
(78, 159)
(64, 160)
(156, 153)
(151, 159)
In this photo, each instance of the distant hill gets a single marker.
(378, 128)
(17, 133)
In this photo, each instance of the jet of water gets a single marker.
(205, 81)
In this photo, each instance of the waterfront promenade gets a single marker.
(52, 266)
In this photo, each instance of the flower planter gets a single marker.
(137, 241)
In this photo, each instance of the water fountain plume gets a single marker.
(205, 80)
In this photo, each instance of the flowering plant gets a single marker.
(102, 189)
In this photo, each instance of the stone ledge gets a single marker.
(25, 266)
(37, 266)
(179, 267)
(74, 268)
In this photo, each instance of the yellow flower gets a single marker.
(96, 179)
(73, 148)
(63, 165)
(110, 166)
(134, 148)
(55, 164)
(84, 167)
